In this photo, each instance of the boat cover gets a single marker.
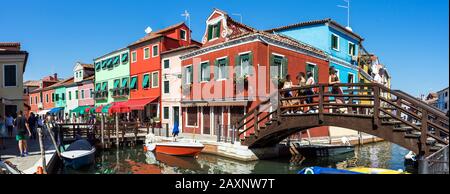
(81, 144)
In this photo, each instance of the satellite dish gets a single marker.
(348, 28)
(148, 30)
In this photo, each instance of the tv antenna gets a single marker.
(348, 11)
(187, 16)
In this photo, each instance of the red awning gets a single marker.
(118, 107)
(138, 104)
(99, 109)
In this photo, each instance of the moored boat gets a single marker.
(80, 153)
(322, 170)
(365, 170)
(179, 148)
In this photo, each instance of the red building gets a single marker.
(233, 52)
(145, 68)
(38, 97)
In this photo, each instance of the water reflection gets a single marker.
(136, 161)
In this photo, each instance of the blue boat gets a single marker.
(79, 154)
(321, 170)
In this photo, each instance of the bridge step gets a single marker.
(412, 135)
(391, 122)
(402, 129)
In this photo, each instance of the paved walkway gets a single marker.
(29, 164)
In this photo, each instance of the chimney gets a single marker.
(55, 76)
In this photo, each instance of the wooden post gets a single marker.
(102, 129)
(117, 130)
(321, 91)
(424, 133)
(255, 120)
(376, 106)
(41, 144)
(53, 141)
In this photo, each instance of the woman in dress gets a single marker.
(301, 77)
(333, 80)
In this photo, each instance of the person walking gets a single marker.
(9, 125)
(22, 129)
(32, 122)
(288, 94)
(301, 77)
(309, 92)
(333, 80)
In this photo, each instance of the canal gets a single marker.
(136, 161)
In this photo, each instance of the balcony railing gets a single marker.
(120, 92)
(100, 95)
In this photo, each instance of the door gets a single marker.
(11, 110)
(206, 120)
(176, 115)
(217, 123)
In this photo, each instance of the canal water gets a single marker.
(136, 161)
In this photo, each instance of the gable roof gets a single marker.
(315, 22)
(157, 34)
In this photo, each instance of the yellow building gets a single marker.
(12, 67)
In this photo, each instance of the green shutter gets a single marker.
(191, 68)
(105, 86)
(199, 70)
(208, 72)
(125, 58)
(116, 83)
(316, 74)
(97, 66)
(237, 68)
(133, 82)
(273, 68)
(116, 60)
(210, 32)
(145, 81)
(124, 82)
(104, 64)
(250, 67)
(76, 95)
(218, 30)
(97, 87)
(284, 67)
(183, 76)
(216, 69)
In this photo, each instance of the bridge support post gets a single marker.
(321, 91)
(423, 165)
(424, 133)
(376, 106)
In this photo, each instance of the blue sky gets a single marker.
(410, 36)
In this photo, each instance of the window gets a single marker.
(335, 42)
(222, 65)
(31, 100)
(166, 64)
(98, 86)
(63, 96)
(104, 87)
(35, 100)
(46, 98)
(351, 49)
(90, 93)
(116, 60)
(146, 53)
(314, 69)
(279, 67)
(189, 75)
(205, 72)
(70, 95)
(133, 57)
(124, 58)
(155, 51)
(133, 83)
(244, 64)
(192, 116)
(110, 63)
(351, 78)
(57, 97)
(10, 75)
(53, 97)
(76, 94)
(82, 94)
(104, 64)
(166, 112)
(214, 31)
(146, 81)
(166, 87)
(155, 79)
(124, 82)
(183, 34)
(98, 66)
(116, 83)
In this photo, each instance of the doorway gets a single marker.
(217, 119)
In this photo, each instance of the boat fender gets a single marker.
(309, 171)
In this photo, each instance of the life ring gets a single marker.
(309, 171)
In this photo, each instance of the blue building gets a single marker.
(340, 44)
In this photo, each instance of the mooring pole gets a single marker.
(41, 144)
(102, 129)
(117, 129)
(49, 129)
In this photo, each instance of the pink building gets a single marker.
(86, 90)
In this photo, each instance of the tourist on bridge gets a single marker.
(22, 129)
(301, 77)
(309, 92)
(9, 124)
(287, 85)
(335, 89)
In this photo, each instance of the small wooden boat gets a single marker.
(176, 148)
(80, 153)
(322, 170)
(376, 170)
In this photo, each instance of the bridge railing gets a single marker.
(358, 99)
(436, 163)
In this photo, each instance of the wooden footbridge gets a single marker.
(370, 108)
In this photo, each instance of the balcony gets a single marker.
(120, 92)
(100, 95)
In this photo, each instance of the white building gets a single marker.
(171, 86)
(442, 102)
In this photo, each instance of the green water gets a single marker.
(135, 160)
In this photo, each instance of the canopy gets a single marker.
(118, 107)
(79, 110)
(42, 112)
(90, 109)
(116, 83)
(55, 110)
(124, 82)
(139, 104)
(133, 82)
(102, 108)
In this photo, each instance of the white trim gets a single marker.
(135, 58)
(185, 79)
(280, 55)
(149, 54)
(338, 42)
(17, 79)
(201, 70)
(185, 34)
(244, 53)
(222, 48)
(153, 86)
(220, 58)
(348, 52)
(153, 48)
